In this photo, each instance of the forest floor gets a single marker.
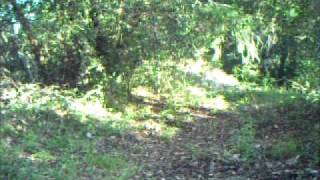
(199, 150)
(195, 152)
(50, 133)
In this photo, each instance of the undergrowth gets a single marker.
(50, 133)
(46, 134)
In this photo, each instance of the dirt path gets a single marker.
(196, 152)
(205, 147)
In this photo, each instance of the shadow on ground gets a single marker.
(53, 139)
(45, 142)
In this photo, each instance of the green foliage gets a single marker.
(110, 162)
(168, 133)
(45, 133)
(108, 44)
(72, 72)
(285, 148)
(30, 142)
(196, 151)
(247, 140)
(307, 80)
(280, 125)
(247, 73)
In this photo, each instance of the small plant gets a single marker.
(116, 164)
(194, 149)
(246, 143)
(44, 156)
(285, 148)
(31, 142)
(110, 162)
(7, 129)
(168, 132)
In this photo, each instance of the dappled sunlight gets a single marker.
(196, 68)
(53, 131)
(219, 78)
(41, 156)
(93, 109)
(131, 109)
(247, 46)
(7, 94)
(141, 91)
(24, 155)
(146, 90)
(217, 45)
(218, 103)
(151, 127)
(199, 64)
(205, 74)
(169, 132)
(192, 66)
(49, 98)
(200, 52)
(197, 91)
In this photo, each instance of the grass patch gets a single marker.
(284, 149)
(168, 133)
(45, 136)
(113, 165)
(109, 162)
(247, 140)
(269, 114)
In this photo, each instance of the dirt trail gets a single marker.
(196, 152)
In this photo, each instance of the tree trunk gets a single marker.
(284, 51)
(35, 45)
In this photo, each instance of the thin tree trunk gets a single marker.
(283, 61)
(35, 45)
(284, 51)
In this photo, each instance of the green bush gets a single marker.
(307, 80)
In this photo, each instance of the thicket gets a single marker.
(91, 43)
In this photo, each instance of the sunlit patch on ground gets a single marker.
(143, 92)
(189, 126)
(219, 78)
(197, 91)
(93, 109)
(169, 132)
(207, 74)
(41, 156)
(150, 127)
(219, 103)
(195, 67)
